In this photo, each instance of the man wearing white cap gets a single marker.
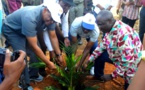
(85, 27)
(20, 30)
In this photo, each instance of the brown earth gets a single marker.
(116, 84)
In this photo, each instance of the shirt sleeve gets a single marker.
(74, 28)
(97, 52)
(51, 26)
(28, 26)
(65, 25)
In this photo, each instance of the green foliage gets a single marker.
(50, 88)
(38, 65)
(69, 77)
(92, 88)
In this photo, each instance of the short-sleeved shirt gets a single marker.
(27, 21)
(76, 29)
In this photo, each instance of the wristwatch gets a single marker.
(58, 54)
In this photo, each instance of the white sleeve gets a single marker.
(65, 24)
(95, 2)
(74, 27)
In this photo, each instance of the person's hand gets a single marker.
(66, 42)
(13, 70)
(107, 77)
(117, 11)
(102, 8)
(61, 61)
(51, 65)
(85, 65)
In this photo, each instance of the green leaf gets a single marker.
(38, 65)
(60, 80)
(51, 88)
(92, 88)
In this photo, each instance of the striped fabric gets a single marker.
(131, 11)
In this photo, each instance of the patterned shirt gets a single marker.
(132, 11)
(124, 48)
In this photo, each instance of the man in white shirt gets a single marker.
(85, 27)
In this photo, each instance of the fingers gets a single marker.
(7, 56)
(20, 59)
(22, 54)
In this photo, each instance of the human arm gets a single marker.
(118, 6)
(97, 3)
(100, 7)
(138, 81)
(109, 8)
(55, 44)
(12, 70)
(33, 43)
(85, 53)
(65, 29)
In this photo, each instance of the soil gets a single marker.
(115, 84)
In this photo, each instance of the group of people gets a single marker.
(35, 29)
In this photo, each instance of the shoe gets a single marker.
(28, 87)
(39, 79)
(92, 71)
(42, 72)
(80, 42)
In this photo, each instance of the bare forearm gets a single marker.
(109, 8)
(40, 54)
(100, 7)
(7, 84)
(85, 54)
(55, 45)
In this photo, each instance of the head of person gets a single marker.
(66, 4)
(51, 13)
(105, 21)
(88, 23)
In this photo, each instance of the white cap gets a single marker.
(89, 21)
(55, 10)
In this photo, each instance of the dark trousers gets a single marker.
(100, 64)
(19, 42)
(128, 21)
(142, 24)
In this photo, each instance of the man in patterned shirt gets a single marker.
(122, 45)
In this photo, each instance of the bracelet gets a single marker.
(58, 55)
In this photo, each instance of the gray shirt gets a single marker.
(27, 21)
(76, 28)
